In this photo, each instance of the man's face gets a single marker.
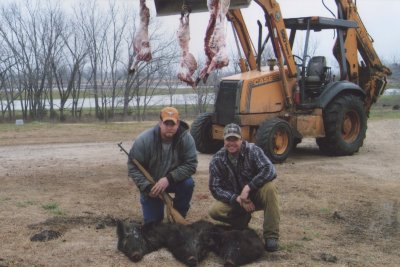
(232, 144)
(168, 129)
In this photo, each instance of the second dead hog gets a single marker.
(237, 247)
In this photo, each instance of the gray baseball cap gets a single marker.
(232, 129)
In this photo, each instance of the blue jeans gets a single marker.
(153, 208)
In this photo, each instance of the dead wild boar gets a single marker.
(191, 243)
(237, 247)
(136, 240)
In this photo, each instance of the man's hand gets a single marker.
(249, 206)
(159, 187)
(244, 200)
(246, 204)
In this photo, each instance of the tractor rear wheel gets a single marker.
(345, 122)
(201, 132)
(275, 137)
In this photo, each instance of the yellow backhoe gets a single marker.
(293, 96)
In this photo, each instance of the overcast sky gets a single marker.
(380, 17)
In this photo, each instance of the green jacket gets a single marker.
(177, 164)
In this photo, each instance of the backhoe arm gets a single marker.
(278, 32)
(236, 18)
(277, 29)
(372, 75)
(364, 41)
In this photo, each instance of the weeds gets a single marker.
(290, 247)
(53, 208)
(4, 199)
(324, 211)
(25, 204)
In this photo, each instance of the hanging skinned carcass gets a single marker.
(215, 39)
(141, 43)
(187, 64)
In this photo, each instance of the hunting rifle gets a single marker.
(172, 213)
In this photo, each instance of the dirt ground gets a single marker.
(335, 211)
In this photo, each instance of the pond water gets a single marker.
(156, 100)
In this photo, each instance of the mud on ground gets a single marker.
(71, 182)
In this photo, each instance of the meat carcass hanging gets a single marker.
(215, 40)
(141, 43)
(188, 64)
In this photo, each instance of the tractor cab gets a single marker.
(313, 72)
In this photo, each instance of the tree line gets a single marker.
(48, 54)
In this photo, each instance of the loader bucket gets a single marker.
(174, 7)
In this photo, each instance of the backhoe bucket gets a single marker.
(174, 7)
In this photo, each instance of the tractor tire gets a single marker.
(201, 132)
(345, 122)
(275, 137)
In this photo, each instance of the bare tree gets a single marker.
(41, 49)
(53, 25)
(171, 81)
(141, 86)
(152, 76)
(31, 34)
(70, 69)
(7, 92)
(205, 92)
(14, 34)
(119, 21)
(94, 25)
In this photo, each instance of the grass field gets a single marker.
(383, 108)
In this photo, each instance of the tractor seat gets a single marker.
(315, 76)
(316, 69)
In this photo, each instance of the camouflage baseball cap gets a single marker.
(232, 129)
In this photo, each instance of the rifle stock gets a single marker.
(172, 213)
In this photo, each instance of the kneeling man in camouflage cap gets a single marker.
(242, 180)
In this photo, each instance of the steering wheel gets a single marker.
(298, 59)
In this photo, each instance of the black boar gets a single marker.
(237, 247)
(135, 240)
(191, 243)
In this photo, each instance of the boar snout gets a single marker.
(192, 261)
(136, 256)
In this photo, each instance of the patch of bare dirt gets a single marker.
(73, 180)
